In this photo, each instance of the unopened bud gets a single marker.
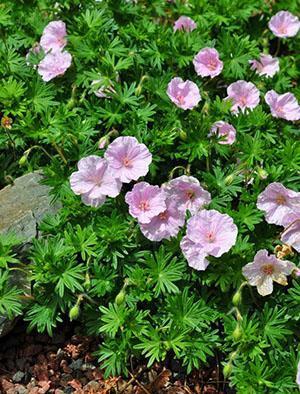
(103, 142)
(182, 135)
(227, 370)
(237, 298)
(262, 173)
(74, 312)
(120, 297)
(23, 160)
(237, 333)
(229, 179)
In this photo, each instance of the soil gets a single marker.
(32, 363)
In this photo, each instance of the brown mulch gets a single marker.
(64, 364)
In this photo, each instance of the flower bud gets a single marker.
(227, 370)
(262, 174)
(23, 160)
(182, 135)
(237, 333)
(229, 179)
(74, 312)
(237, 298)
(103, 142)
(120, 297)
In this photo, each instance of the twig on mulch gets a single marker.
(139, 384)
(134, 377)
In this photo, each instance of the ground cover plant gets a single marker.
(169, 131)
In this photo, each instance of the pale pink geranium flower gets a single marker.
(266, 65)
(145, 201)
(94, 181)
(166, 224)
(195, 255)
(207, 63)
(54, 64)
(284, 24)
(188, 193)
(54, 36)
(128, 158)
(214, 232)
(225, 131)
(185, 94)
(185, 23)
(102, 88)
(278, 203)
(265, 269)
(283, 106)
(243, 95)
(93, 202)
(291, 235)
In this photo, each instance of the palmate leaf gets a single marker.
(43, 317)
(42, 96)
(274, 322)
(184, 312)
(71, 279)
(113, 318)
(163, 271)
(10, 302)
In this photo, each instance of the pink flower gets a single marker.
(93, 180)
(128, 159)
(54, 36)
(54, 64)
(207, 63)
(145, 201)
(93, 202)
(278, 203)
(185, 94)
(213, 231)
(243, 95)
(194, 254)
(188, 192)
(166, 224)
(283, 106)
(266, 65)
(225, 131)
(185, 23)
(103, 89)
(284, 24)
(265, 269)
(291, 235)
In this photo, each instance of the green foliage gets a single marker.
(87, 257)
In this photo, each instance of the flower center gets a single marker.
(163, 215)
(180, 98)
(280, 199)
(144, 205)
(212, 65)
(243, 100)
(268, 269)
(190, 194)
(210, 236)
(127, 162)
(282, 30)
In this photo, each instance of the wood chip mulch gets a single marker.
(64, 364)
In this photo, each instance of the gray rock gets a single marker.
(23, 206)
(18, 377)
(76, 364)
